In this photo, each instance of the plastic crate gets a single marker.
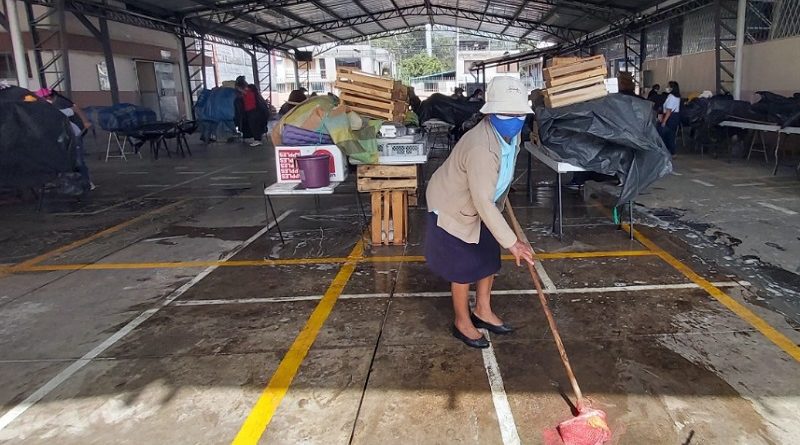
(413, 149)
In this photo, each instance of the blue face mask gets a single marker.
(507, 126)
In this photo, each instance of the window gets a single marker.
(102, 77)
(7, 69)
(322, 71)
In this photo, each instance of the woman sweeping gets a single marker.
(466, 195)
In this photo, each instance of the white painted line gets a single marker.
(147, 195)
(749, 184)
(190, 173)
(505, 418)
(226, 178)
(251, 172)
(677, 174)
(232, 184)
(78, 364)
(578, 290)
(547, 283)
(133, 173)
(707, 184)
(778, 208)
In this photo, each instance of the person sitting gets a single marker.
(458, 94)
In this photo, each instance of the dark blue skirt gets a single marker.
(457, 261)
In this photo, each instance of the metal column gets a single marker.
(16, 43)
(741, 14)
(195, 69)
(102, 35)
(296, 73)
(725, 18)
(51, 50)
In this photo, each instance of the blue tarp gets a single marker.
(121, 117)
(216, 105)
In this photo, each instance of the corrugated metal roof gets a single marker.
(287, 24)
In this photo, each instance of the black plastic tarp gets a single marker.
(36, 145)
(453, 111)
(613, 135)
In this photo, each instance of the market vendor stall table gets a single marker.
(762, 128)
(555, 163)
(296, 189)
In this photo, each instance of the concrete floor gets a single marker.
(185, 321)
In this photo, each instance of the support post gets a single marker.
(62, 38)
(741, 14)
(108, 55)
(718, 45)
(17, 45)
(187, 83)
(37, 51)
(203, 61)
(296, 73)
(254, 63)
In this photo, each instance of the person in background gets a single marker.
(465, 225)
(296, 97)
(255, 111)
(670, 119)
(655, 91)
(477, 96)
(79, 123)
(458, 94)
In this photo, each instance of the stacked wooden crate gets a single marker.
(371, 95)
(389, 187)
(575, 81)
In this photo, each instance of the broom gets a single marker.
(589, 427)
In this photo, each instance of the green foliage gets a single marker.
(420, 65)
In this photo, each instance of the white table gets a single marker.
(559, 166)
(762, 128)
(295, 189)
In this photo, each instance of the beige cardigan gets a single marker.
(462, 189)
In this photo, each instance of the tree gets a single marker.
(420, 64)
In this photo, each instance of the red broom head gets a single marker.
(588, 428)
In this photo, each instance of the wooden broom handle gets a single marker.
(542, 299)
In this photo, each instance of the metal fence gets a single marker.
(785, 19)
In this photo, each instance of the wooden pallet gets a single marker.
(575, 81)
(389, 217)
(558, 61)
(386, 177)
(575, 68)
(575, 96)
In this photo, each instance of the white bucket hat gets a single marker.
(506, 95)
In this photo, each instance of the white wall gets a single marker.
(772, 66)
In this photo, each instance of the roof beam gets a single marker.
(303, 22)
(328, 11)
(397, 8)
(366, 11)
(560, 32)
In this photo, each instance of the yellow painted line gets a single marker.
(256, 423)
(47, 255)
(302, 261)
(775, 336)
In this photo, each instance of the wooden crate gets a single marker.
(387, 109)
(386, 177)
(556, 61)
(575, 68)
(576, 81)
(389, 217)
(575, 96)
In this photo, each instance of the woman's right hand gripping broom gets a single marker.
(522, 252)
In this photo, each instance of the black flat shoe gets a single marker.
(479, 343)
(502, 329)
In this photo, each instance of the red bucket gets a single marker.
(314, 170)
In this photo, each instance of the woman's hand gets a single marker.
(521, 251)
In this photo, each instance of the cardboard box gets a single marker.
(287, 171)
